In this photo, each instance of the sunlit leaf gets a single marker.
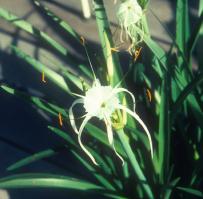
(46, 180)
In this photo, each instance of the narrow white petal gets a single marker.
(118, 90)
(109, 131)
(71, 115)
(87, 118)
(119, 156)
(110, 137)
(134, 114)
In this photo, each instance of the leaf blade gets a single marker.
(33, 158)
(46, 180)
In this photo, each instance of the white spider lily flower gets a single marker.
(101, 102)
(130, 16)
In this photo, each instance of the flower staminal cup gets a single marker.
(130, 17)
(103, 102)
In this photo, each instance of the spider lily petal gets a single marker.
(118, 90)
(71, 116)
(110, 137)
(134, 114)
(130, 15)
(87, 118)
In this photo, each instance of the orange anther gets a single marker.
(115, 49)
(149, 95)
(60, 119)
(82, 40)
(137, 53)
(43, 77)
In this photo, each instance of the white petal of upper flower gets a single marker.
(129, 12)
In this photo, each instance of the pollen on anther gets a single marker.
(60, 119)
(43, 78)
(137, 53)
(149, 95)
(82, 40)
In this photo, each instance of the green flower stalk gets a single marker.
(130, 15)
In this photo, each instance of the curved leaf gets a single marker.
(52, 75)
(46, 180)
(40, 103)
(194, 192)
(58, 20)
(24, 25)
(30, 159)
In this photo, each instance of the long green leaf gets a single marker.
(50, 74)
(24, 25)
(168, 190)
(40, 103)
(182, 25)
(100, 135)
(46, 180)
(33, 158)
(140, 135)
(194, 192)
(195, 35)
(84, 162)
(57, 20)
(100, 177)
(182, 37)
(63, 135)
(135, 164)
(164, 130)
(68, 29)
(155, 48)
(184, 94)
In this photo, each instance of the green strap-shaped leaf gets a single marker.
(40, 35)
(40, 103)
(103, 181)
(88, 165)
(164, 130)
(57, 20)
(46, 180)
(50, 74)
(194, 192)
(24, 25)
(184, 94)
(32, 158)
(180, 79)
(100, 135)
(63, 135)
(182, 25)
(195, 35)
(156, 50)
(67, 28)
(182, 36)
(142, 181)
(168, 189)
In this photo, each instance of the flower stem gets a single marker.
(105, 35)
(135, 165)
